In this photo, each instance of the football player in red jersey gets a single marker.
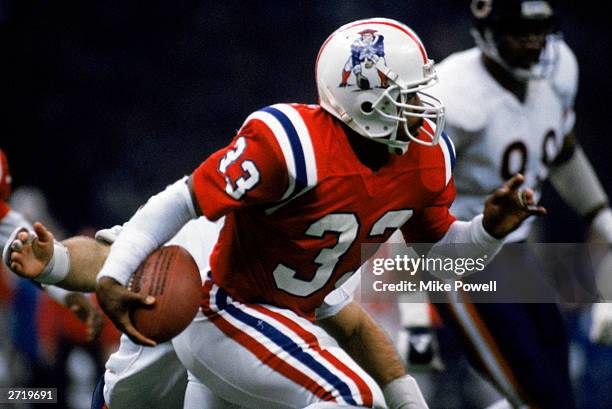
(301, 188)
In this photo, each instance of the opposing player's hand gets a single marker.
(28, 253)
(116, 301)
(508, 207)
(86, 311)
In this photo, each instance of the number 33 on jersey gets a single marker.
(290, 184)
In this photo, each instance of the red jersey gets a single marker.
(5, 185)
(299, 203)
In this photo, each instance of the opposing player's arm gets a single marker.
(87, 256)
(571, 173)
(574, 178)
(10, 223)
(80, 259)
(369, 346)
(31, 255)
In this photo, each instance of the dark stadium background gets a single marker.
(106, 102)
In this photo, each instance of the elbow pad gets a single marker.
(576, 182)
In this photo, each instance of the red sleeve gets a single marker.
(430, 224)
(249, 171)
(5, 177)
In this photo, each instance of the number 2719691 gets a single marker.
(18, 395)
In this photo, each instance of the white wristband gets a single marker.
(602, 224)
(58, 267)
(126, 254)
(404, 393)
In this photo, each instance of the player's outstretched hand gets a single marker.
(116, 301)
(86, 311)
(27, 253)
(508, 207)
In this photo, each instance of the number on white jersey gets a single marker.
(516, 155)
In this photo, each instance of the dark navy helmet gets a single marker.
(517, 34)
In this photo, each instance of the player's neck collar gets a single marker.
(505, 79)
(372, 155)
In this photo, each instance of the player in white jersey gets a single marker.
(136, 376)
(512, 111)
(10, 219)
(498, 134)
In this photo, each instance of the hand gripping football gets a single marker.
(171, 275)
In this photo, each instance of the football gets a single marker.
(171, 275)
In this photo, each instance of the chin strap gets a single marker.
(333, 107)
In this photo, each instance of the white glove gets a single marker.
(404, 393)
(601, 328)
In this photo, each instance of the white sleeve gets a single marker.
(153, 224)
(465, 240)
(577, 183)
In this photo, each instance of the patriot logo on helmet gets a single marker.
(367, 52)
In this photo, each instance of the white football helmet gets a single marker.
(366, 72)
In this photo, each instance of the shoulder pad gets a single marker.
(461, 88)
(292, 134)
(565, 76)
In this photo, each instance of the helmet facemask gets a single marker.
(431, 108)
